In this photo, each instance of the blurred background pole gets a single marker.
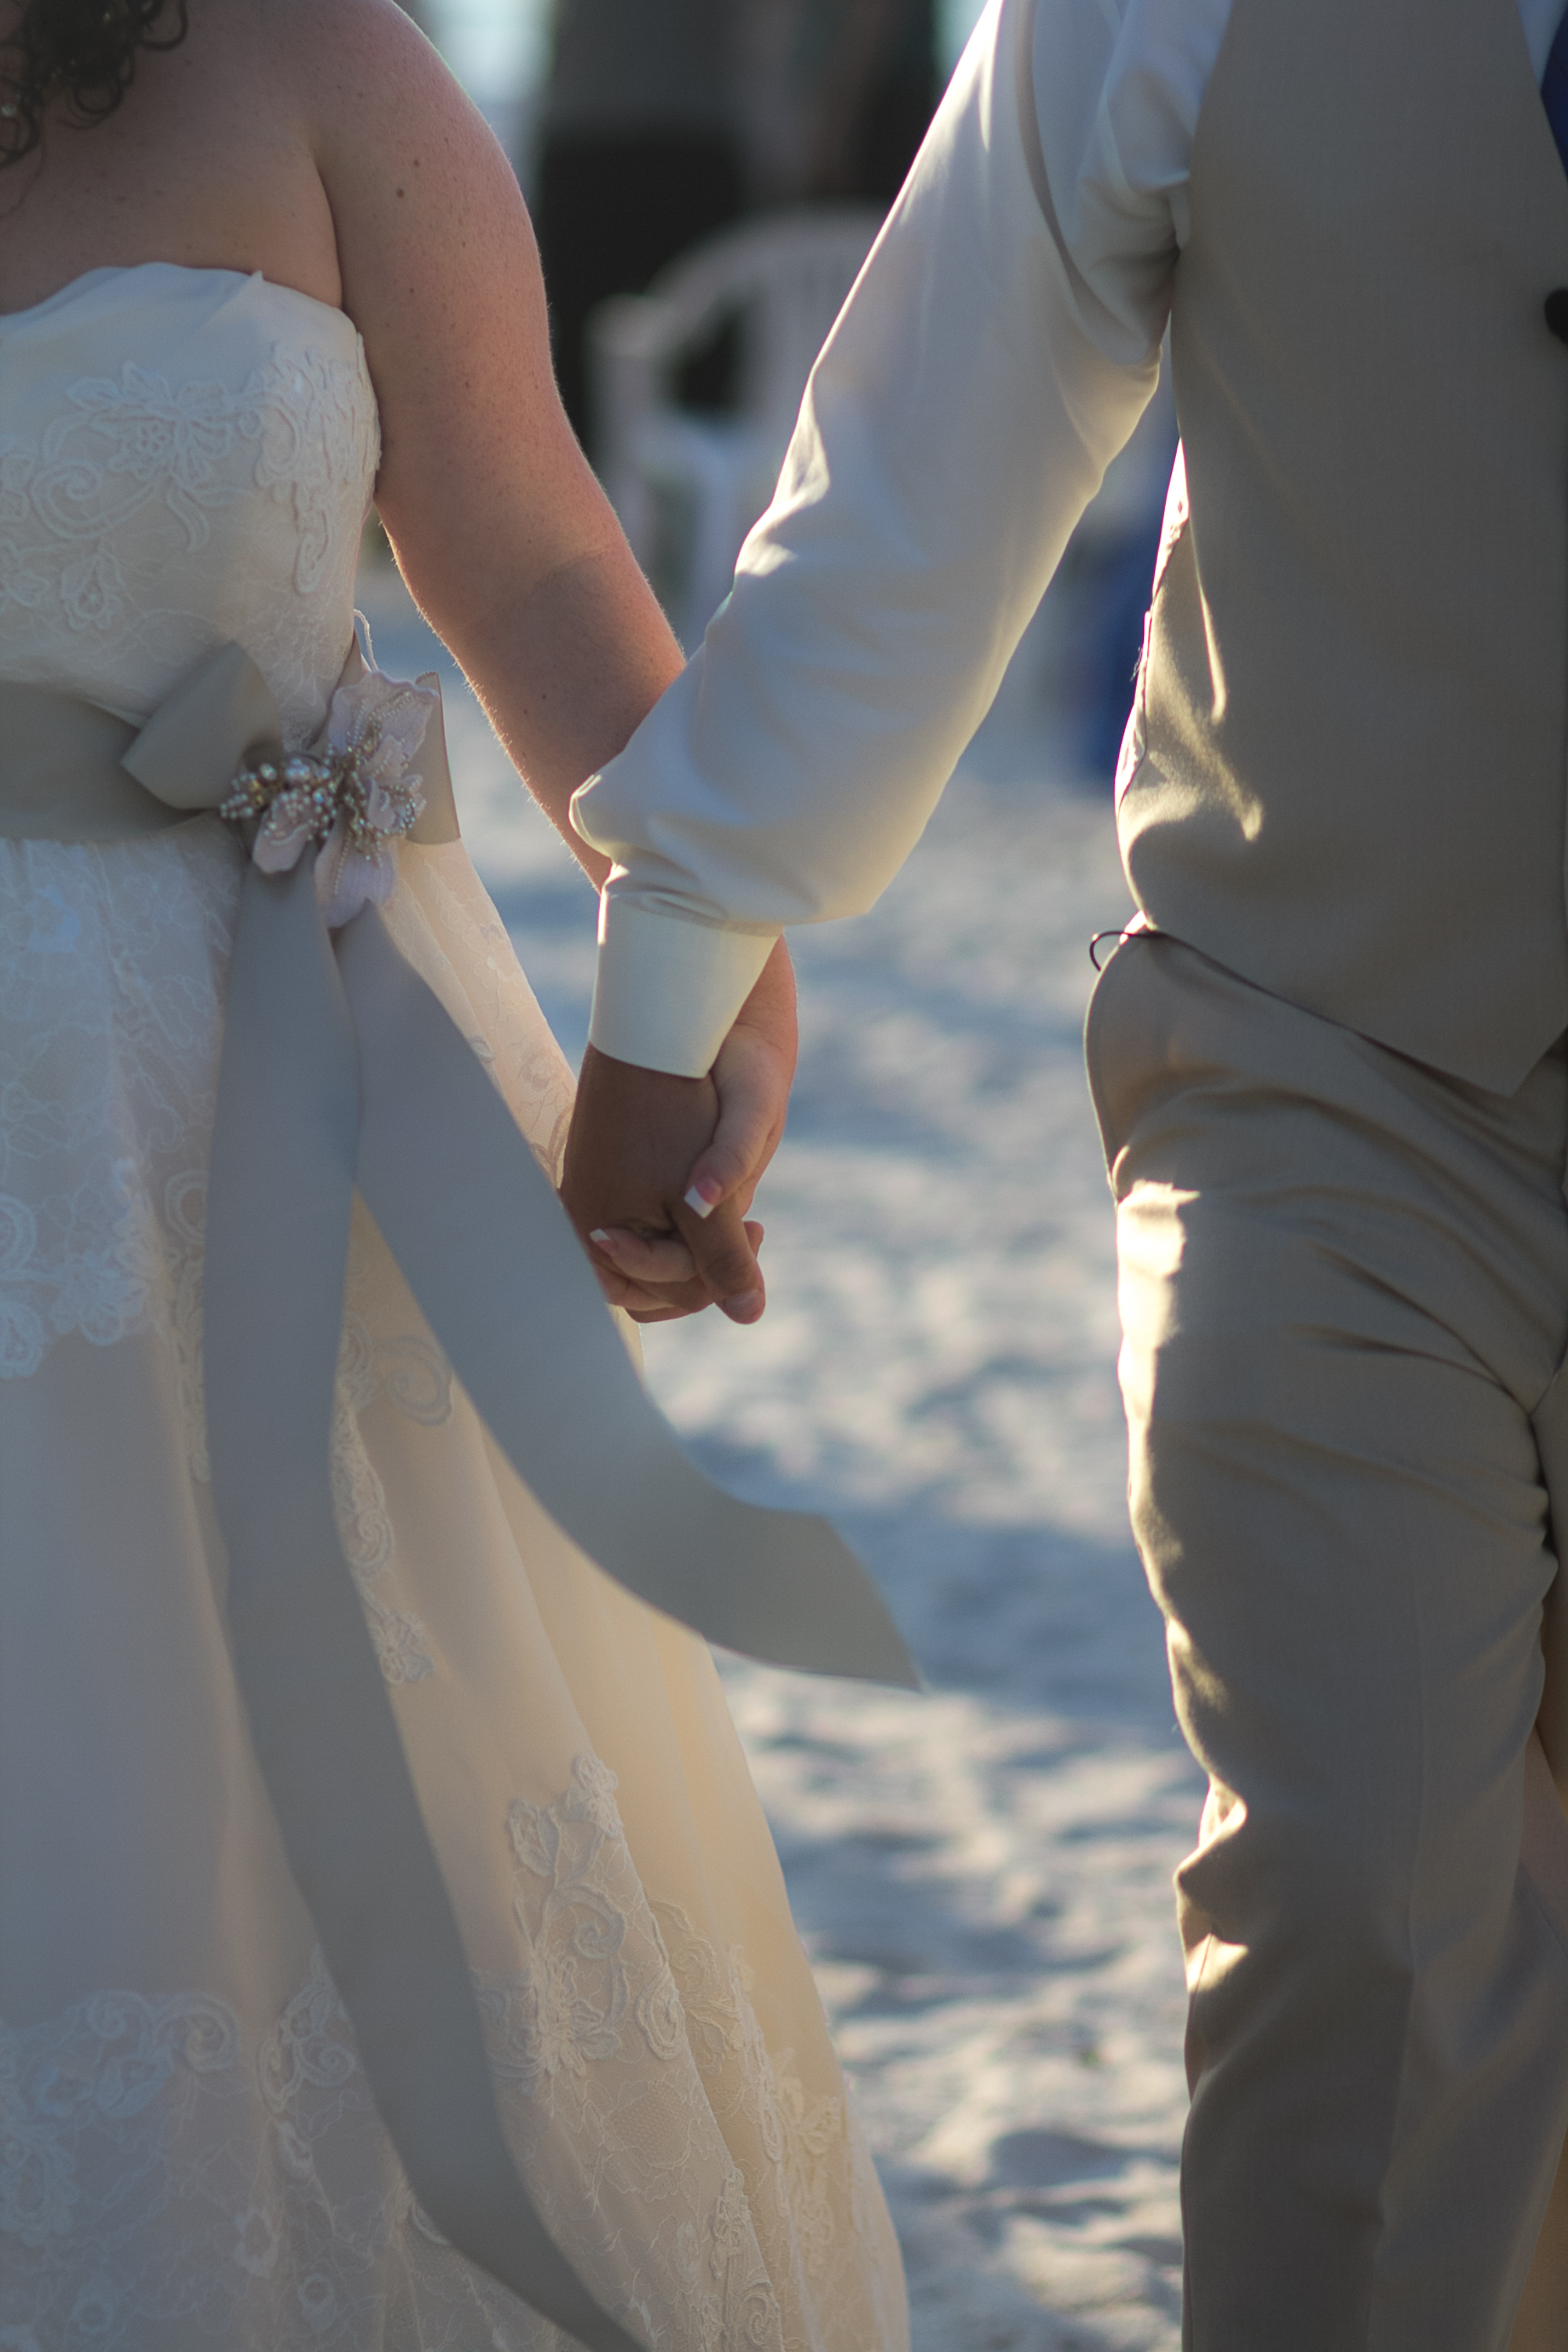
(836, 95)
(640, 157)
(662, 122)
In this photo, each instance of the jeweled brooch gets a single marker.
(352, 797)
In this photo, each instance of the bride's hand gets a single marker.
(644, 1149)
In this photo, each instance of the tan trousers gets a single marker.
(1344, 1293)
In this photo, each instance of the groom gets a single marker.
(1328, 1061)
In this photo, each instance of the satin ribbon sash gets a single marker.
(339, 1067)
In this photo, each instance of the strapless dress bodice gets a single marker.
(186, 455)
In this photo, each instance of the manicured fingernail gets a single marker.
(743, 1309)
(608, 1242)
(703, 1199)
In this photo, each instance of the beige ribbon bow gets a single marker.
(340, 1067)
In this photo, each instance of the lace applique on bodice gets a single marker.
(185, 456)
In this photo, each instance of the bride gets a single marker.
(259, 260)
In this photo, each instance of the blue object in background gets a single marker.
(1117, 595)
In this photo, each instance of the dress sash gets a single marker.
(340, 1067)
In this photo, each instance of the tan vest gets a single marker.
(1354, 707)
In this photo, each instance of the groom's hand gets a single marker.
(660, 1171)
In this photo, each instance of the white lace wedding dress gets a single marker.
(188, 2153)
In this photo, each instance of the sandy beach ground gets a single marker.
(982, 1873)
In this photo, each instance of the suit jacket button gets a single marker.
(1554, 310)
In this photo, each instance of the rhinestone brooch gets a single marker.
(309, 793)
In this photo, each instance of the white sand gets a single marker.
(981, 1874)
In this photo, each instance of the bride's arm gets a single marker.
(498, 525)
(499, 528)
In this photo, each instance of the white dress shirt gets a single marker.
(994, 356)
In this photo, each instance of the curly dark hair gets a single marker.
(82, 50)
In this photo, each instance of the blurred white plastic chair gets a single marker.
(673, 474)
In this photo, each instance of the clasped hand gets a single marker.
(660, 1171)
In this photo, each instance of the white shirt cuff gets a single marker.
(666, 990)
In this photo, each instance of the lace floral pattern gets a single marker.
(590, 2032)
(168, 2178)
(114, 961)
(150, 512)
(814, 2193)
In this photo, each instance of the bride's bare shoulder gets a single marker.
(336, 52)
(314, 71)
(384, 118)
(211, 159)
(420, 192)
(355, 92)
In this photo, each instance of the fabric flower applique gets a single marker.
(353, 795)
